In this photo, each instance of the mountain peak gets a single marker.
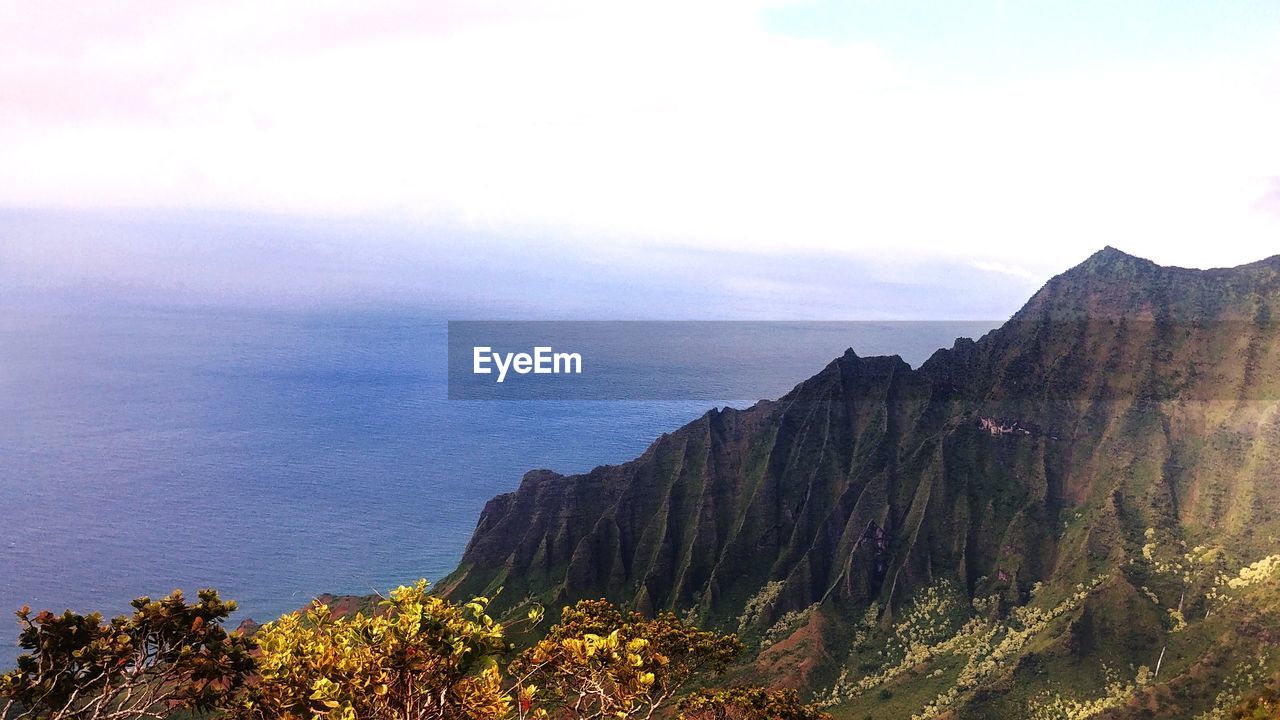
(1109, 254)
(1113, 284)
(1109, 283)
(1110, 259)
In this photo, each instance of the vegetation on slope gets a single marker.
(1026, 520)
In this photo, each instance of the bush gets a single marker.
(598, 662)
(748, 703)
(168, 657)
(415, 657)
(420, 657)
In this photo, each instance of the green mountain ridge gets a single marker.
(1069, 517)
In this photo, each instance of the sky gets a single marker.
(720, 154)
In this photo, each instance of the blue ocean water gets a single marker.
(274, 455)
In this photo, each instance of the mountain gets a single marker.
(1073, 516)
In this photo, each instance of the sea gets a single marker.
(277, 454)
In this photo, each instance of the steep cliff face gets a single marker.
(1126, 415)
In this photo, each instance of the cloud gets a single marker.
(172, 258)
(1003, 269)
(686, 124)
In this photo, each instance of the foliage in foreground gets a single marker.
(169, 656)
(416, 657)
(747, 703)
(423, 657)
(599, 663)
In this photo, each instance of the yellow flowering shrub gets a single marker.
(414, 657)
(599, 663)
(748, 703)
(422, 657)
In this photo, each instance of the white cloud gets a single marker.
(1003, 269)
(684, 124)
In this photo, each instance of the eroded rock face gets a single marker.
(1123, 396)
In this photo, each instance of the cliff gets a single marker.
(1123, 418)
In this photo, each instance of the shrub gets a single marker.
(748, 703)
(167, 657)
(598, 662)
(421, 657)
(415, 657)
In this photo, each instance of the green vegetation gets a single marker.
(742, 703)
(599, 663)
(169, 657)
(417, 657)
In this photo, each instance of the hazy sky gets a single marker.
(1010, 139)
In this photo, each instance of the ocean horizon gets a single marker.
(275, 455)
